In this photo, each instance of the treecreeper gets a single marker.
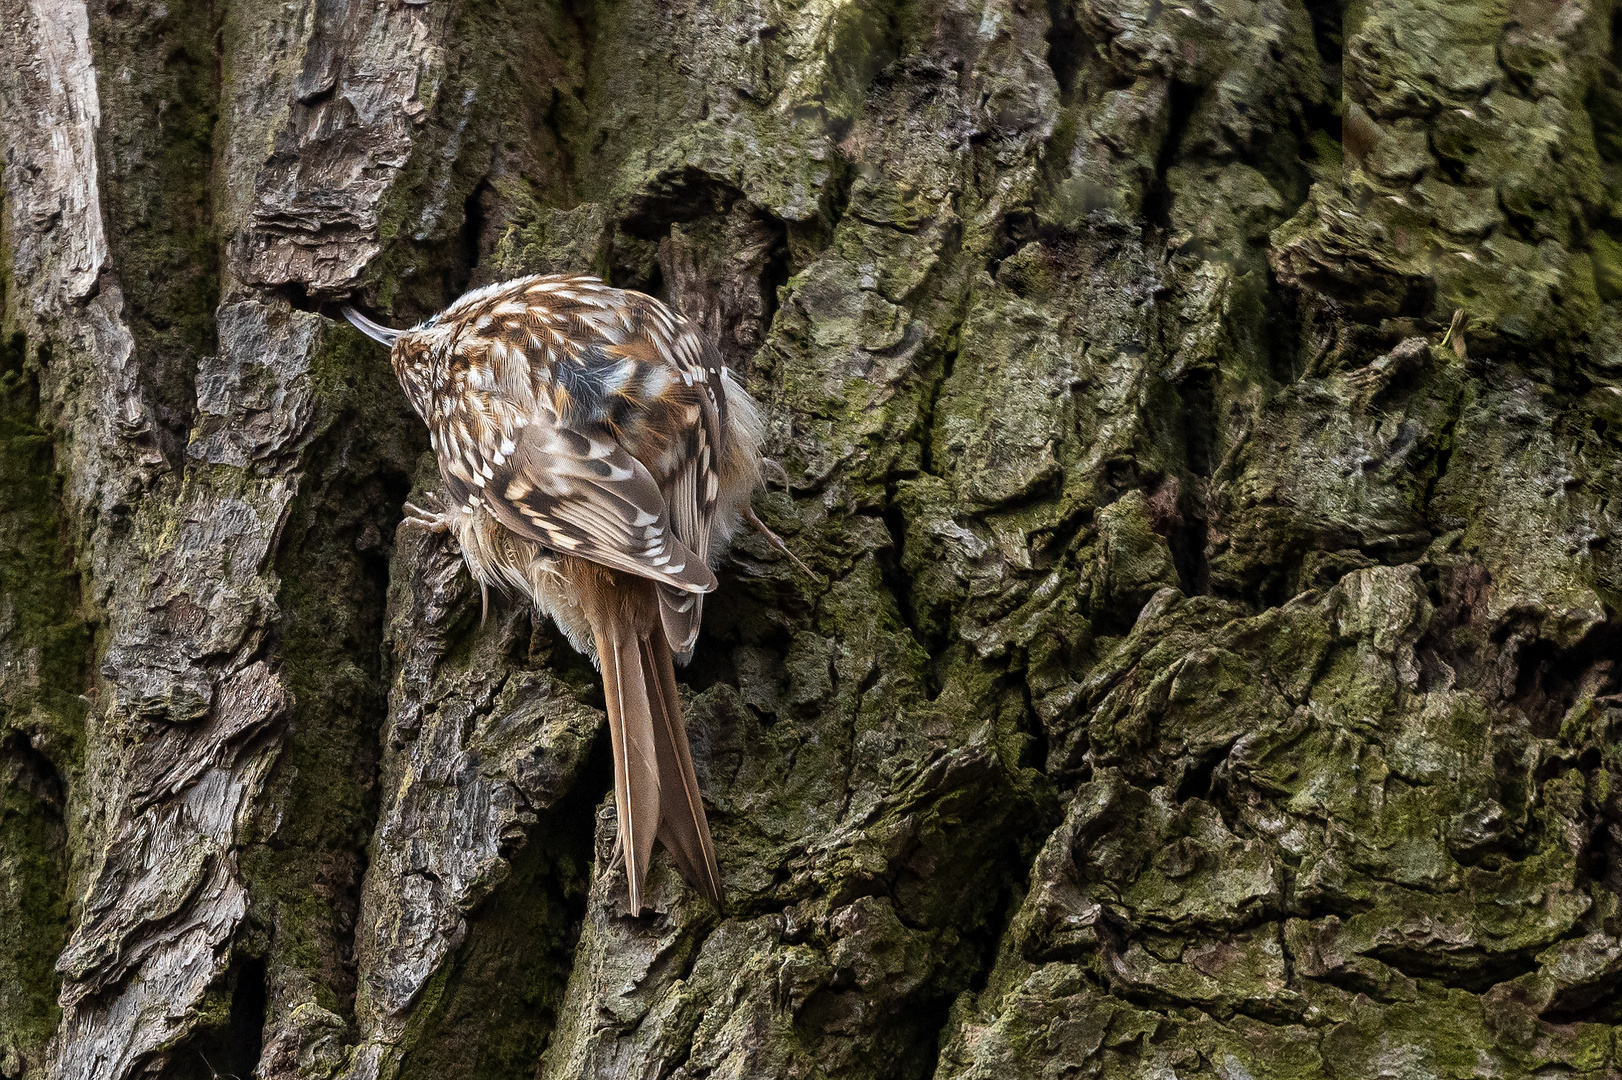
(597, 457)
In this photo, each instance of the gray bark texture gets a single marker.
(1204, 420)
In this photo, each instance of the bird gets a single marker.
(597, 457)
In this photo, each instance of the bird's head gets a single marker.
(419, 355)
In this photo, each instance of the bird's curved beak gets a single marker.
(375, 331)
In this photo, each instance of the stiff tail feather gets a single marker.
(655, 787)
(636, 770)
(682, 824)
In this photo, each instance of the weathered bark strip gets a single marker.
(59, 246)
(190, 712)
(369, 73)
(161, 909)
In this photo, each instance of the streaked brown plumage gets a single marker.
(596, 457)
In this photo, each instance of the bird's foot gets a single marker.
(770, 465)
(776, 541)
(429, 520)
(615, 860)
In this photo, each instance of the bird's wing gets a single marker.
(693, 486)
(589, 421)
(579, 493)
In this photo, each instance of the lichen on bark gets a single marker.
(1202, 421)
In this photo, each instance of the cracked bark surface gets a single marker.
(1212, 665)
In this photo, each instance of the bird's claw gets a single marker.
(615, 860)
(776, 541)
(433, 521)
(770, 465)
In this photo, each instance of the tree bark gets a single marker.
(1205, 422)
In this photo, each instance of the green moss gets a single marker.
(33, 904)
(44, 632)
(44, 670)
(156, 155)
(1133, 559)
(1607, 255)
(540, 241)
(489, 1012)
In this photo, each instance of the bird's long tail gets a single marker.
(682, 825)
(655, 788)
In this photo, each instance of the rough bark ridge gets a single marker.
(1212, 670)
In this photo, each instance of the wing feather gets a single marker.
(691, 489)
(591, 498)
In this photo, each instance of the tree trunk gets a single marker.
(1205, 422)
